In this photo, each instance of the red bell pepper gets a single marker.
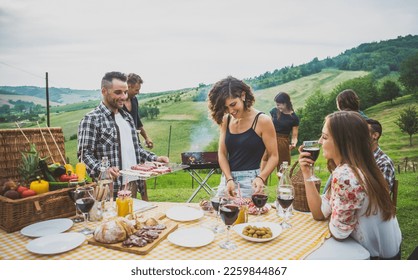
(67, 177)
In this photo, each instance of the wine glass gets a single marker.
(313, 148)
(85, 202)
(285, 197)
(72, 193)
(216, 200)
(259, 198)
(229, 211)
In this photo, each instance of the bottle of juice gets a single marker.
(243, 211)
(124, 203)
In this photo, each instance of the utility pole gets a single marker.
(47, 100)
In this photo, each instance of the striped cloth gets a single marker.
(300, 240)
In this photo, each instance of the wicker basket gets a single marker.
(13, 142)
(16, 214)
(300, 203)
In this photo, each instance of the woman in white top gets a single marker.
(358, 203)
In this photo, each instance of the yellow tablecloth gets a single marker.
(304, 237)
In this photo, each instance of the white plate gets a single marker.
(276, 229)
(47, 227)
(56, 243)
(191, 237)
(184, 213)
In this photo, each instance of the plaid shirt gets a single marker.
(98, 136)
(385, 165)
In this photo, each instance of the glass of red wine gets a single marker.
(259, 198)
(229, 211)
(72, 193)
(84, 202)
(285, 197)
(313, 148)
(216, 200)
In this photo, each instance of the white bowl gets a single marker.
(276, 229)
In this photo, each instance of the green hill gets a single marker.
(393, 142)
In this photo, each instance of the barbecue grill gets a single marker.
(200, 160)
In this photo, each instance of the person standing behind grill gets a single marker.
(108, 131)
(245, 135)
(132, 107)
(285, 122)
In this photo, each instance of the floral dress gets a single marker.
(346, 204)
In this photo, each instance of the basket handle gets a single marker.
(37, 207)
(292, 168)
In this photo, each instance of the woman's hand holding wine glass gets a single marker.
(312, 147)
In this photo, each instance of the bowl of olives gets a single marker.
(258, 231)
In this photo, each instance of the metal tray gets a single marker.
(144, 175)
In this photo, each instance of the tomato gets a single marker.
(67, 177)
(28, 193)
(21, 189)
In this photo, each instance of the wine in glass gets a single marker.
(285, 197)
(313, 148)
(216, 200)
(259, 198)
(229, 214)
(73, 196)
(85, 202)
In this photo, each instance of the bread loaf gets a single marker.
(114, 231)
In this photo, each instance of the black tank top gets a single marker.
(246, 149)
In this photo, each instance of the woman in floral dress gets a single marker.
(358, 203)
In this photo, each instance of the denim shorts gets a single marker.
(244, 178)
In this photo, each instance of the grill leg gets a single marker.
(202, 182)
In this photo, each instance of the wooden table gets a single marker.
(305, 236)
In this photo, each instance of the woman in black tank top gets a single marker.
(245, 136)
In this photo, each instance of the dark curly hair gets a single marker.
(229, 87)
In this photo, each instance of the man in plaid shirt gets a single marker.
(384, 163)
(109, 131)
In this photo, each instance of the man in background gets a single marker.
(384, 163)
(131, 106)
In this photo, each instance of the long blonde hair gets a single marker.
(352, 139)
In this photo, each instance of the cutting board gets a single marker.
(170, 227)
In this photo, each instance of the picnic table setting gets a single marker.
(81, 220)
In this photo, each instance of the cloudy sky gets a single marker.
(181, 43)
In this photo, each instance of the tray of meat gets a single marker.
(152, 169)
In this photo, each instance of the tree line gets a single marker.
(370, 92)
(379, 58)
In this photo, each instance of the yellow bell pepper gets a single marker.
(68, 167)
(39, 186)
(80, 170)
